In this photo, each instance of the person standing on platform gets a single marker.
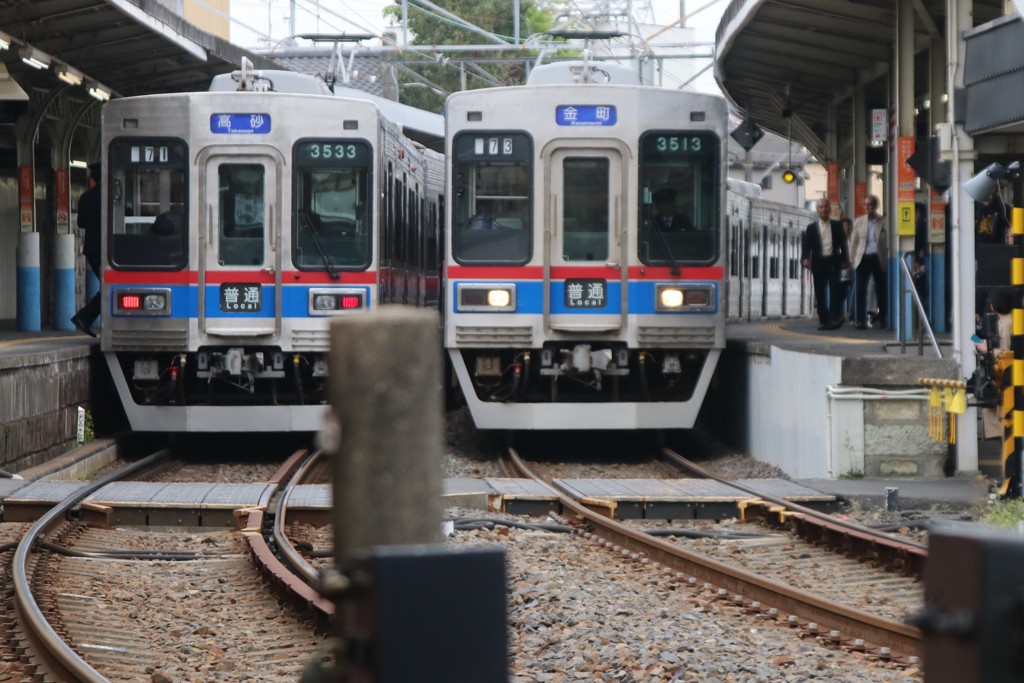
(846, 277)
(89, 221)
(824, 253)
(869, 247)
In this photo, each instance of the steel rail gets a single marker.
(816, 525)
(852, 623)
(56, 653)
(284, 545)
(300, 587)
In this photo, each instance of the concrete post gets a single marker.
(385, 390)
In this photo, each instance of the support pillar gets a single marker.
(64, 281)
(958, 18)
(29, 284)
(901, 221)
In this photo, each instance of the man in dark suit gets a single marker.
(825, 254)
(89, 221)
(666, 216)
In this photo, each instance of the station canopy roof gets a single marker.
(129, 47)
(787, 63)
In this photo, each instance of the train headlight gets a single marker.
(498, 298)
(685, 298)
(485, 298)
(154, 302)
(142, 302)
(670, 298)
(336, 300)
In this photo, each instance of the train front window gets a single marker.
(679, 197)
(242, 220)
(332, 200)
(585, 209)
(493, 205)
(147, 203)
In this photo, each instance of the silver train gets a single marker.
(766, 280)
(587, 253)
(236, 226)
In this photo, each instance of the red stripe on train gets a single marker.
(191, 277)
(566, 272)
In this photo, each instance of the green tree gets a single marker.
(431, 28)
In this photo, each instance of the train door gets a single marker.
(240, 245)
(585, 264)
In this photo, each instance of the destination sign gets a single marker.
(585, 115)
(245, 124)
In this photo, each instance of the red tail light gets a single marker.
(131, 302)
(350, 302)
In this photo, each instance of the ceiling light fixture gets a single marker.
(99, 92)
(69, 75)
(5, 41)
(34, 58)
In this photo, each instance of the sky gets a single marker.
(253, 19)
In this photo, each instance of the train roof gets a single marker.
(745, 188)
(426, 128)
(421, 126)
(271, 80)
(573, 72)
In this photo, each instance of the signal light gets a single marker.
(131, 302)
(788, 177)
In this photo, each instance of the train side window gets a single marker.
(756, 247)
(147, 203)
(773, 258)
(492, 181)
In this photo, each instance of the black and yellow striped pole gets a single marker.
(1013, 443)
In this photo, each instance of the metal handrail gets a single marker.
(922, 317)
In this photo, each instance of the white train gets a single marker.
(765, 277)
(586, 250)
(237, 224)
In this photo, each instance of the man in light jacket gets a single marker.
(869, 252)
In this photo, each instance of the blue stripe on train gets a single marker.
(530, 297)
(185, 301)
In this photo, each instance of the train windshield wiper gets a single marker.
(308, 223)
(656, 229)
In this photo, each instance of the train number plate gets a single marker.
(241, 297)
(586, 293)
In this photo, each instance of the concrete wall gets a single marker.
(39, 398)
(823, 417)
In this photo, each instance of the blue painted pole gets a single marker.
(63, 282)
(29, 287)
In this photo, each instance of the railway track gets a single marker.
(189, 590)
(812, 614)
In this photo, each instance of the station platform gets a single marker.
(16, 347)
